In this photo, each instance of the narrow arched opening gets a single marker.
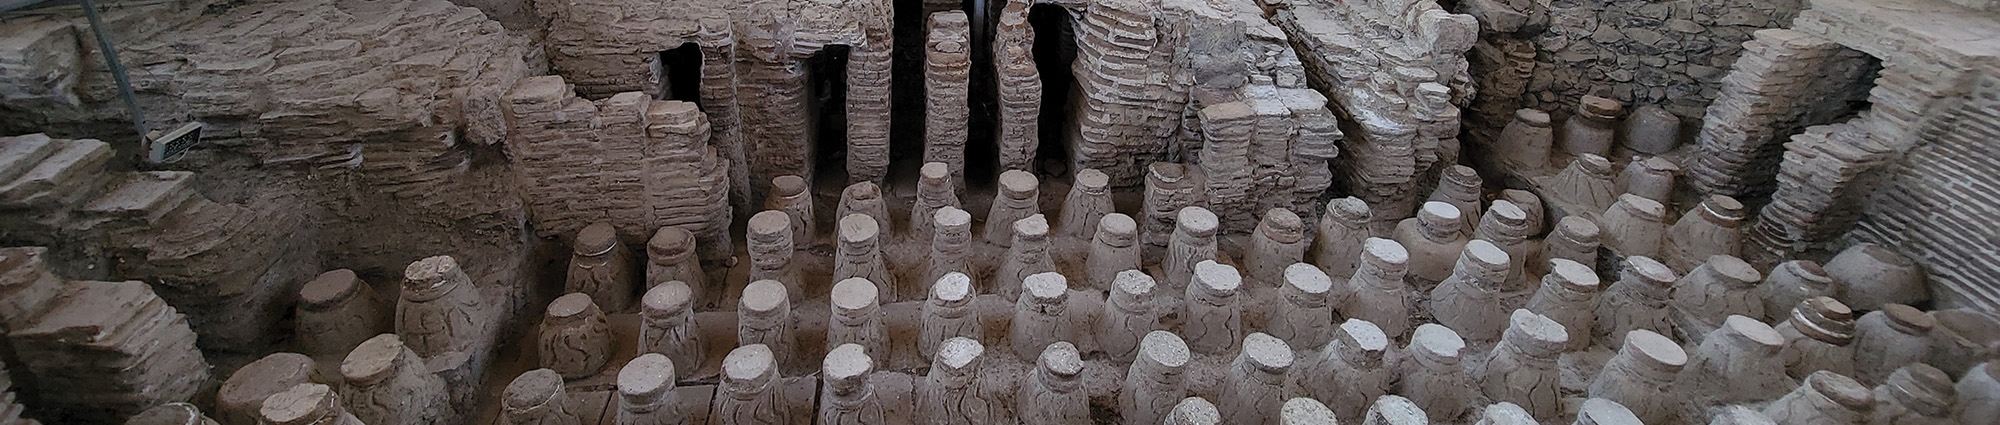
(826, 108)
(679, 72)
(1055, 50)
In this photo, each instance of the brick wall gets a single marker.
(1939, 206)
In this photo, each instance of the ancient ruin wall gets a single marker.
(1936, 204)
(1261, 137)
(637, 163)
(754, 71)
(380, 126)
(1784, 82)
(1668, 53)
(606, 47)
(1933, 107)
(1127, 114)
(1400, 92)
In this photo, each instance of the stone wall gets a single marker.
(1910, 170)
(637, 163)
(1641, 52)
(1935, 106)
(1549, 54)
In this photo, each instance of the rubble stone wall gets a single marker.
(1640, 52)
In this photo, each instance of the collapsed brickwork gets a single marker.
(155, 225)
(1263, 139)
(637, 163)
(1400, 91)
(340, 131)
(94, 351)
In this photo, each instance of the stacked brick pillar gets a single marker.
(1823, 185)
(947, 80)
(1020, 88)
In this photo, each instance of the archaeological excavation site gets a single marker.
(999, 212)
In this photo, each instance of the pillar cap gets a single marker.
(647, 376)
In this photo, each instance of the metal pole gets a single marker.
(117, 69)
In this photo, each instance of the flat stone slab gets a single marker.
(18, 154)
(148, 195)
(74, 160)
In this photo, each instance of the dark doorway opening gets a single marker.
(982, 148)
(1055, 49)
(826, 109)
(906, 86)
(680, 74)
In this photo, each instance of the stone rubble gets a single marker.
(107, 350)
